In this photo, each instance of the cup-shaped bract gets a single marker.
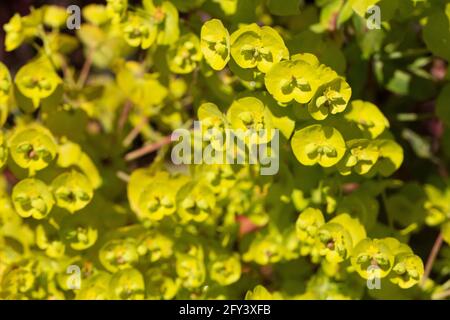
(361, 156)
(407, 271)
(308, 223)
(72, 190)
(32, 147)
(334, 242)
(19, 278)
(353, 225)
(318, 144)
(127, 284)
(190, 268)
(20, 29)
(48, 239)
(225, 269)
(155, 246)
(251, 120)
(158, 200)
(292, 80)
(79, 231)
(213, 125)
(195, 202)
(330, 98)
(32, 198)
(161, 284)
(390, 157)
(372, 257)
(139, 31)
(221, 179)
(71, 154)
(367, 117)
(142, 88)
(37, 80)
(164, 16)
(185, 54)
(215, 43)
(119, 254)
(266, 248)
(436, 205)
(96, 287)
(257, 47)
(259, 293)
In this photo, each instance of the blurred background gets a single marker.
(9, 7)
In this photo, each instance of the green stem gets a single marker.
(431, 258)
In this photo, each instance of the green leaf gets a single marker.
(284, 8)
(436, 32)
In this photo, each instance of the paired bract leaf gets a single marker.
(257, 47)
(32, 148)
(335, 242)
(252, 119)
(367, 117)
(164, 15)
(72, 190)
(32, 198)
(407, 271)
(292, 80)
(138, 31)
(37, 80)
(318, 144)
(361, 156)
(20, 29)
(185, 54)
(79, 232)
(390, 157)
(213, 125)
(142, 88)
(119, 254)
(195, 202)
(330, 98)
(127, 284)
(372, 258)
(215, 43)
